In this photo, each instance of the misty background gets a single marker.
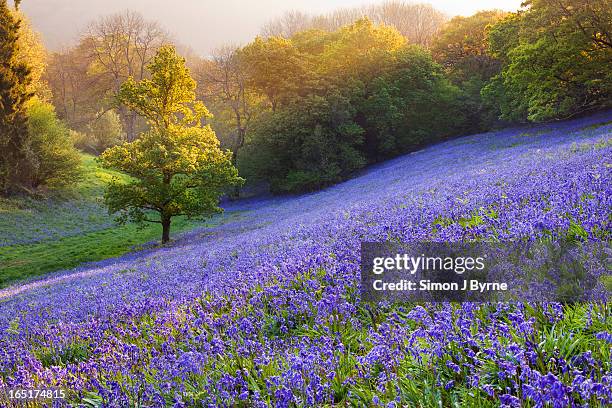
(203, 25)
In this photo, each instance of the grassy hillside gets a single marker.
(40, 236)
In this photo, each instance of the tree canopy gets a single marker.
(15, 92)
(177, 167)
(557, 58)
(462, 48)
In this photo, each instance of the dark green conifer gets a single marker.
(14, 78)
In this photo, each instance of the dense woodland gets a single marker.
(314, 98)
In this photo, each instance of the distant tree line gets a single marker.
(315, 98)
(332, 102)
(318, 97)
(418, 22)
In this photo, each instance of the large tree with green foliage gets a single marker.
(14, 95)
(307, 144)
(409, 106)
(462, 48)
(557, 57)
(177, 167)
(274, 67)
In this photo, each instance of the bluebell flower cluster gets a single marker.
(52, 219)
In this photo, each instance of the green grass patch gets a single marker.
(21, 262)
(607, 282)
(95, 178)
(71, 228)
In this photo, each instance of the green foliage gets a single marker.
(14, 94)
(37, 150)
(275, 68)
(53, 160)
(556, 60)
(409, 106)
(359, 51)
(471, 222)
(462, 47)
(343, 99)
(177, 167)
(103, 132)
(32, 51)
(307, 144)
(576, 232)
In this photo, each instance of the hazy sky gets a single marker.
(203, 24)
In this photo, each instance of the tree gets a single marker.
(53, 160)
(177, 166)
(275, 68)
(224, 82)
(78, 92)
(223, 85)
(557, 57)
(409, 106)
(361, 51)
(306, 144)
(14, 95)
(103, 132)
(462, 48)
(418, 23)
(121, 45)
(462, 45)
(85, 79)
(287, 25)
(32, 50)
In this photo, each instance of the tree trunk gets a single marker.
(234, 193)
(165, 221)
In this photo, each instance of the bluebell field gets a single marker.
(62, 218)
(265, 310)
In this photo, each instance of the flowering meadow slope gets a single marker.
(265, 311)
